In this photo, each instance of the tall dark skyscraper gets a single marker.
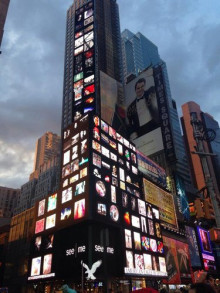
(93, 226)
(92, 61)
(3, 13)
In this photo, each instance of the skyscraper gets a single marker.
(3, 13)
(92, 60)
(140, 53)
(200, 137)
(192, 110)
(47, 147)
(97, 217)
(46, 175)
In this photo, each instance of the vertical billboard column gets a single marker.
(164, 115)
(84, 61)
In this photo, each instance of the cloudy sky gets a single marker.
(31, 66)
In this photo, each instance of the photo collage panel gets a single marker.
(84, 61)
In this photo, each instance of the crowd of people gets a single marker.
(208, 285)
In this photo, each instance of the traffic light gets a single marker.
(208, 209)
(198, 204)
(192, 210)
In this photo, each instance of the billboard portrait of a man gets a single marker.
(142, 112)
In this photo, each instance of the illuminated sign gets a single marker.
(144, 272)
(84, 61)
(193, 246)
(41, 277)
(91, 271)
(164, 115)
(206, 248)
(215, 234)
(161, 199)
(151, 169)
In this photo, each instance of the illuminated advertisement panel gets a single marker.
(181, 198)
(84, 62)
(163, 200)
(119, 201)
(73, 202)
(206, 249)
(112, 102)
(149, 168)
(74, 250)
(177, 260)
(147, 113)
(193, 246)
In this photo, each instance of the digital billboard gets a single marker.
(193, 246)
(75, 251)
(206, 249)
(177, 260)
(149, 168)
(118, 201)
(163, 200)
(181, 198)
(114, 171)
(148, 114)
(112, 102)
(84, 99)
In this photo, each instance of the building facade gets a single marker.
(8, 201)
(47, 147)
(201, 134)
(3, 14)
(46, 175)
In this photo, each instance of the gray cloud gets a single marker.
(31, 66)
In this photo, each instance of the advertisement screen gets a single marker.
(182, 200)
(52, 202)
(47, 264)
(41, 207)
(151, 169)
(112, 102)
(39, 226)
(35, 266)
(177, 260)
(84, 59)
(206, 249)
(142, 105)
(193, 247)
(161, 199)
(147, 112)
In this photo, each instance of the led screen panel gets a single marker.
(163, 200)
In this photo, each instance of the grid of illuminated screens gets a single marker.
(75, 171)
(143, 241)
(118, 200)
(69, 202)
(114, 169)
(41, 265)
(84, 60)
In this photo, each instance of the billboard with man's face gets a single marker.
(148, 114)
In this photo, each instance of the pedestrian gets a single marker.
(201, 288)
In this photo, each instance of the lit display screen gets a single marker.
(117, 199)
(84, 60)
(41, 208)
(163, 200)
(206, 248)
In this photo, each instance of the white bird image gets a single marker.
(91, 271)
